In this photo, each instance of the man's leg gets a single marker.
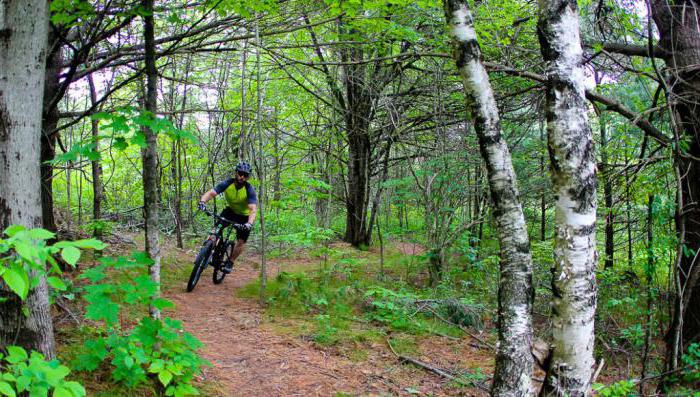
(238, 249)
(234, 253)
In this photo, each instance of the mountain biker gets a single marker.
(242, 206)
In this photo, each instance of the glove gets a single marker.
(247, 226)
(202, 206)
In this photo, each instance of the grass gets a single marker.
(326, 302)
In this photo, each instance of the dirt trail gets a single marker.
(250, 359)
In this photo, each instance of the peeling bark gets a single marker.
(573, 170)
(514, 363)
(22, 63)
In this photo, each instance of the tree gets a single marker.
(573, 168)
(514, 359)
(23, 34)
(150, 153)
(679, 47)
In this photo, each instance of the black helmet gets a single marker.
(245, 167)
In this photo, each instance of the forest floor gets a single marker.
(253, 354)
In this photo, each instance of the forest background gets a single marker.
(117, 115)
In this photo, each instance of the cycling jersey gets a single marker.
(237, 199)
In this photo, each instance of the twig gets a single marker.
(421, 364)
(466, 331)
(70, 313)
(597, 371)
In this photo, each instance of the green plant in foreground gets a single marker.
(24, 256)
(30, 373)
(154, 348)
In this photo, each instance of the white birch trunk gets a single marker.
(514, 361)
(572, 158)
(23, 35)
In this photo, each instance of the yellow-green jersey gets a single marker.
(237, 198)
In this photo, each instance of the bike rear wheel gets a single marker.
(200, 263)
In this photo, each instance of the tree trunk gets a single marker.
(359, 153)
(150, 156)
(608, 197)
(49, 122)
(679, 31)
(514, 362)
(573, 167)
(23, 39)
(96, 167)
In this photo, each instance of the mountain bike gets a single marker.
(214, 251)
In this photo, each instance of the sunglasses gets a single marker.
(243, 174)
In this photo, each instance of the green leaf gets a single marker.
(62, 392)
(76, 388)
(18, 282)
(161, 303)
(90, 244)
(7, 390)
(120, 143)
(56, 283)
(14, 229)
(41, 234)
(16, 354)
(70, 255)
(139, 139)
(165, 377)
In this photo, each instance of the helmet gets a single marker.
(244, 166)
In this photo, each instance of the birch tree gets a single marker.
(513, 360)
(23, 35)
(572, 162)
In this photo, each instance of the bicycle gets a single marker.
(214, 251)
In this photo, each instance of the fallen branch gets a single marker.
(465, 330)
(436, 370)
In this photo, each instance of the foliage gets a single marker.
(25, 254)
(623, 388)
(153, 348)
(22, 373)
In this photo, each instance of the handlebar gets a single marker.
(231, 223)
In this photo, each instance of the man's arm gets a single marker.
(208, 196)
(253, 208)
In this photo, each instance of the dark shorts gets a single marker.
(236, 218)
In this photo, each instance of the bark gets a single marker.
(514, 362)
(23, 39)
(49, 122)
(150, 156)
(572, 159)
(357, 116)
(679, 44)
(608, 197)
(95, 165)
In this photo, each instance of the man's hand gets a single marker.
(248, 226)
(202, 206)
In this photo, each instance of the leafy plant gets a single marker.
(154, 348)
(25, 253)
(22, 373)
(623, 388)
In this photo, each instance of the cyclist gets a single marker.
(242, 206)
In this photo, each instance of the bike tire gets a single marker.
(200, 263)
(218, 275)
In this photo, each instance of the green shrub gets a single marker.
(22, 373)
(153, 349)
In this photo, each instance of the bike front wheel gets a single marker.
(218, 263)
(200, 263)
